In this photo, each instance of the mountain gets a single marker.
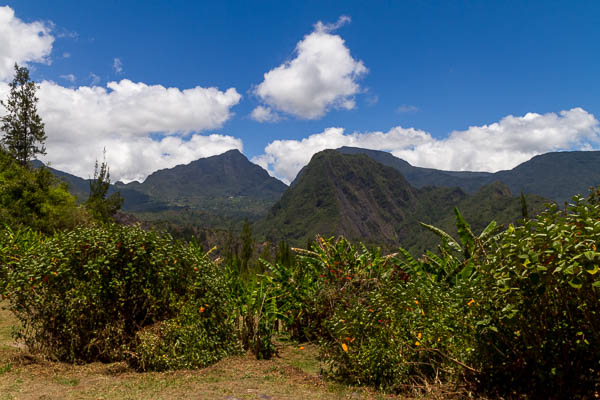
(218, 191)
(557, 176)
(80, 188)
(226, 175)
(355, 196)
(420, 177)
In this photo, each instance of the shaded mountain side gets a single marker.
(494, 202)
(557, 176)
(420, 177)
(80, 188)
(226, 175)
(218, 191)
(355, 196)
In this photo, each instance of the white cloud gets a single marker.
(142, 127)
(342, 20)
(321, 76)
(118, 65)
(264, 114)
(22, 42)
(407, 109)
(493, 147)
(68, 77)
(95, 79)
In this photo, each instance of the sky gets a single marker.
(456, 85)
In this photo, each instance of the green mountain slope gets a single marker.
(217, 191)
(226, 175)
(557, 176)
(355, 196)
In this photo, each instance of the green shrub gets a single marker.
(255, 308)
(84, 295)
(193, 339)
(539, 330)
(14, 244)
(385, 323)
(35, 198)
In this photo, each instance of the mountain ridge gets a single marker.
(355, 196)
(548, 175)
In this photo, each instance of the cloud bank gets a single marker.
(142, 127)
(323, 75)
(22, 42)
(497, 146)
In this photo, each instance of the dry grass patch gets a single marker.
(293, 374)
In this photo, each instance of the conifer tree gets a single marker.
(101, 207)
(247, 244)
(23, 130)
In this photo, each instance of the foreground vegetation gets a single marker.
(507, 313)
(294, 374)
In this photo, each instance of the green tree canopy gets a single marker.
(34, 198)
(101, 207)
(23, 130)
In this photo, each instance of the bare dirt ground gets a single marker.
(292, 375)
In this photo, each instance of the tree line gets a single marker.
(33, 196)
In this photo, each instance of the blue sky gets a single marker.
(455, 85)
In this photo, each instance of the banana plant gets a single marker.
(456, 259)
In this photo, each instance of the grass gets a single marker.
(293, 374)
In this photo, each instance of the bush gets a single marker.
(510, 313)
(385, 323)
(193, 339)
(15, 244)
(539, 330)
(35, 198)
(85, 295)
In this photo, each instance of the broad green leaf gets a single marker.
(576, 283)
(591, 269)
(444, 236)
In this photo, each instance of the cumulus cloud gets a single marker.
(322, 75)
(143, 127)
(264, 114)
(22, 42)
(497, 146)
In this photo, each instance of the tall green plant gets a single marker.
(458, 259)
(23, 129)
(100, 205)
(541, 304)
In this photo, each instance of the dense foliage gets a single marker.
(507, 312)
(88, 294)
(23, 130)
(510, 312)
(540, 302)
(35, 198)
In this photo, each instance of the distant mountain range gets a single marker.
(364, 194)
(355, 196)
(557, 176)
(216, 191)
